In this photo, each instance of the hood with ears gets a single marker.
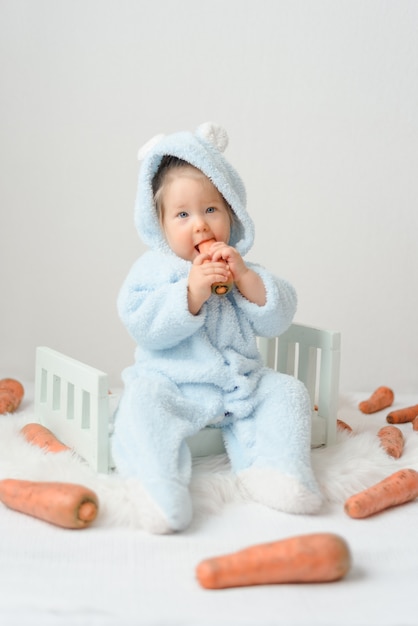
(202, 149)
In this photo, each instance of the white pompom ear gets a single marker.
(143, 151)
(214, 134)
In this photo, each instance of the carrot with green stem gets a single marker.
(313, 558)
(391, 440)
(40, 436)
(380, 399)
(401, 416)
(64, 504)
(396, 489)
(220, 289)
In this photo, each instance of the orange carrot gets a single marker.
(341, 425)
(380, 399)
(42, 437)
(12, 385)
(401, 416)
(220, 289)
(8, 402)
(391, 440)
(415, 423)
(317, 557)
(11, 394)
(63, 504)
(398, 488)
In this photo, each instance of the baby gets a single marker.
(196, 361)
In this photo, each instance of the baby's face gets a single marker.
(193, 211)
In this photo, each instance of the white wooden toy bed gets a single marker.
(73, 399)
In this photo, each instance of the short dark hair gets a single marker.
(167, 163)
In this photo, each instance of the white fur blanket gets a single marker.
(355, 462)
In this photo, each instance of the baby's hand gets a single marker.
(204, 272)
(248, 282)
(232, 258)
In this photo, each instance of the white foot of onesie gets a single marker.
(279, 491)
(151, 514)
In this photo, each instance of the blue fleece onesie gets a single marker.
(194, 370)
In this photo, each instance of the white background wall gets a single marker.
(320, 100)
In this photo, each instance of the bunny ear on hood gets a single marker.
(202, 149)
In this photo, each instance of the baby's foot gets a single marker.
(171, 505)
(165, 511)
(279, 491)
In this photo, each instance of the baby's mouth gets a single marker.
(204, 242)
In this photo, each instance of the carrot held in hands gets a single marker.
(401, 416)
(317, 557)
(220, 289)
(42, 437)
(63, 504)
(398, 488)
(380, 399)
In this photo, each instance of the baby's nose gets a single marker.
(200, 224)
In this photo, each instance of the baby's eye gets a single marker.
(182, 214)
(210, 209)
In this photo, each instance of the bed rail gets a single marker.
(73, 400)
